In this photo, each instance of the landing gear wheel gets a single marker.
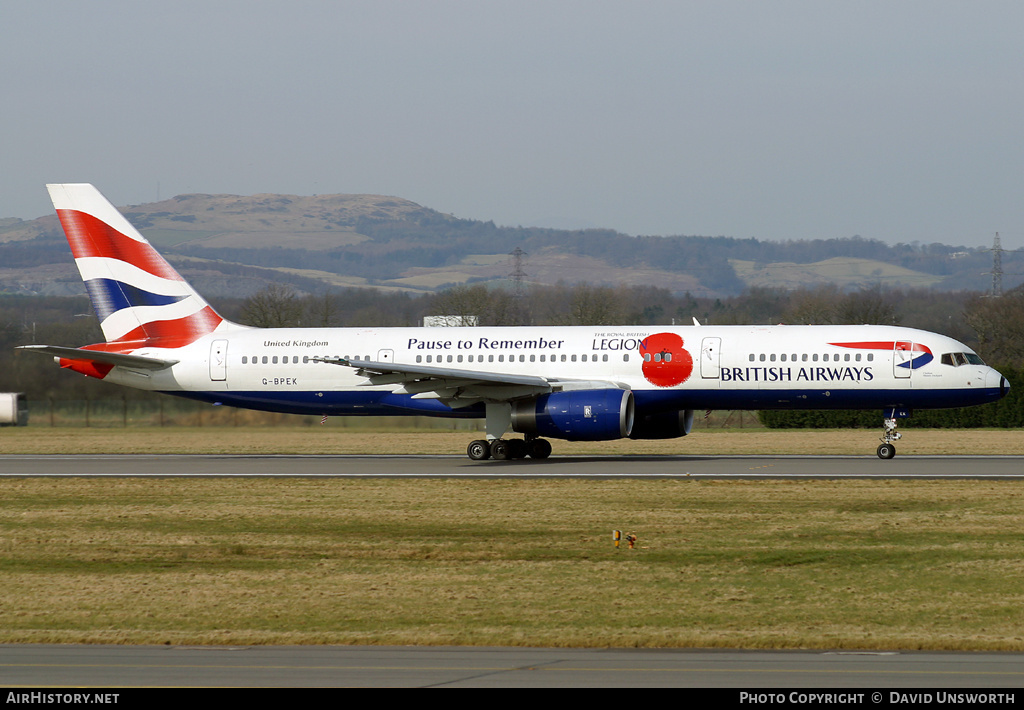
(516, 449)
(499, 450)
(538, 448)
(479, 450)
(889, 434)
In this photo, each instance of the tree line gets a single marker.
(994, 327)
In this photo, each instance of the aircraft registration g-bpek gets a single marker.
(575, 383)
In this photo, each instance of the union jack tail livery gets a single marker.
(138, 297)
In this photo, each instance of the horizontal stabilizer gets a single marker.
(121, 359)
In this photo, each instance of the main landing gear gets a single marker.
(498, 421)
(505, 449)
(889, 434)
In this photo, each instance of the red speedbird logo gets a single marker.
(666, 361)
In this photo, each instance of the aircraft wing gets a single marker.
(136, 361)
(460, 388)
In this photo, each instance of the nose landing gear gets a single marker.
(889, 434)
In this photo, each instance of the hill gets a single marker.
(235, 245)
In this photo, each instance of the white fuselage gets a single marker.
(705, 367)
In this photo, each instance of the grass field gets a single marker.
(854, 564)
(752, 564)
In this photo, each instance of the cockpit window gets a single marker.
(958, 359)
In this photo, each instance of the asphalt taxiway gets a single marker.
(110, 667)
(753, 467)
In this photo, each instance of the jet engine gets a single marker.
(576, 415)
(663, 425)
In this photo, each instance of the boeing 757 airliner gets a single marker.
(573, 383)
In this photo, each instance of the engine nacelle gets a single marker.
(664, 425)
(576, 415)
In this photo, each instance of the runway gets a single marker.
(121, 667)
(705, 467)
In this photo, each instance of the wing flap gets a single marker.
(372, 370)
(455, 387)
(458, 387)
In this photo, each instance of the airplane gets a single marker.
(580, 383)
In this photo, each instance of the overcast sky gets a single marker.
(899, 121)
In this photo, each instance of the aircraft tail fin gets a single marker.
(137, 295)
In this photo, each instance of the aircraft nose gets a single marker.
(995, 379)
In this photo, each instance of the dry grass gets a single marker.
(853, 564)
(335, 440)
